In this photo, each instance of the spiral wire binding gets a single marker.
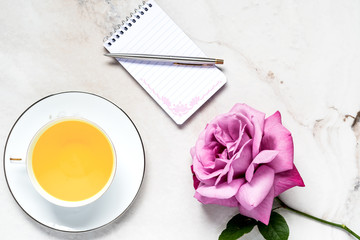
(120, 29)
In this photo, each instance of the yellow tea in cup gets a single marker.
(72, 160)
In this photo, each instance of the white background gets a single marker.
(299, 57)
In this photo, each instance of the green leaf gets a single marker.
(237, 227)
(277, 228)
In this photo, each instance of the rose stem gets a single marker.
(342, 226)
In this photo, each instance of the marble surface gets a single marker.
(299, 57)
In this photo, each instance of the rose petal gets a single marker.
(257, 119)
(223, 173)
(224, 154)
(279, 138)
(242, 138)
(248, 112)
(245, 121)
(195, 180)
(230, 202)
(227, 167)
(242, 159)
(208, 135)
(203, 175)
(272, 120)
(230, 176)
(205, 155)
(257, 136)
(236, 146)
(207, 148)
(222, 137)
(285, 180)
(220, 163)
(263, 211)
(250, 172)
(264, 156)
(202, 156)
(230, 125)
(251, 194)
(221, 191)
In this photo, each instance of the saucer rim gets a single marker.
(91, 229)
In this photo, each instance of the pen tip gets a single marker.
(219, 61)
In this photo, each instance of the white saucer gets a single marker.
(128, 147)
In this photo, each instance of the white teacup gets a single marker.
(71, 162)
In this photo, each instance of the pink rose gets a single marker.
(243, 160)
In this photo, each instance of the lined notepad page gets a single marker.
(180, 90)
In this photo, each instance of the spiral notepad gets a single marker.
(179, 89)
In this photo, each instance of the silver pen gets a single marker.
(167, 58)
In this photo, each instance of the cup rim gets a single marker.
(43, 192)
